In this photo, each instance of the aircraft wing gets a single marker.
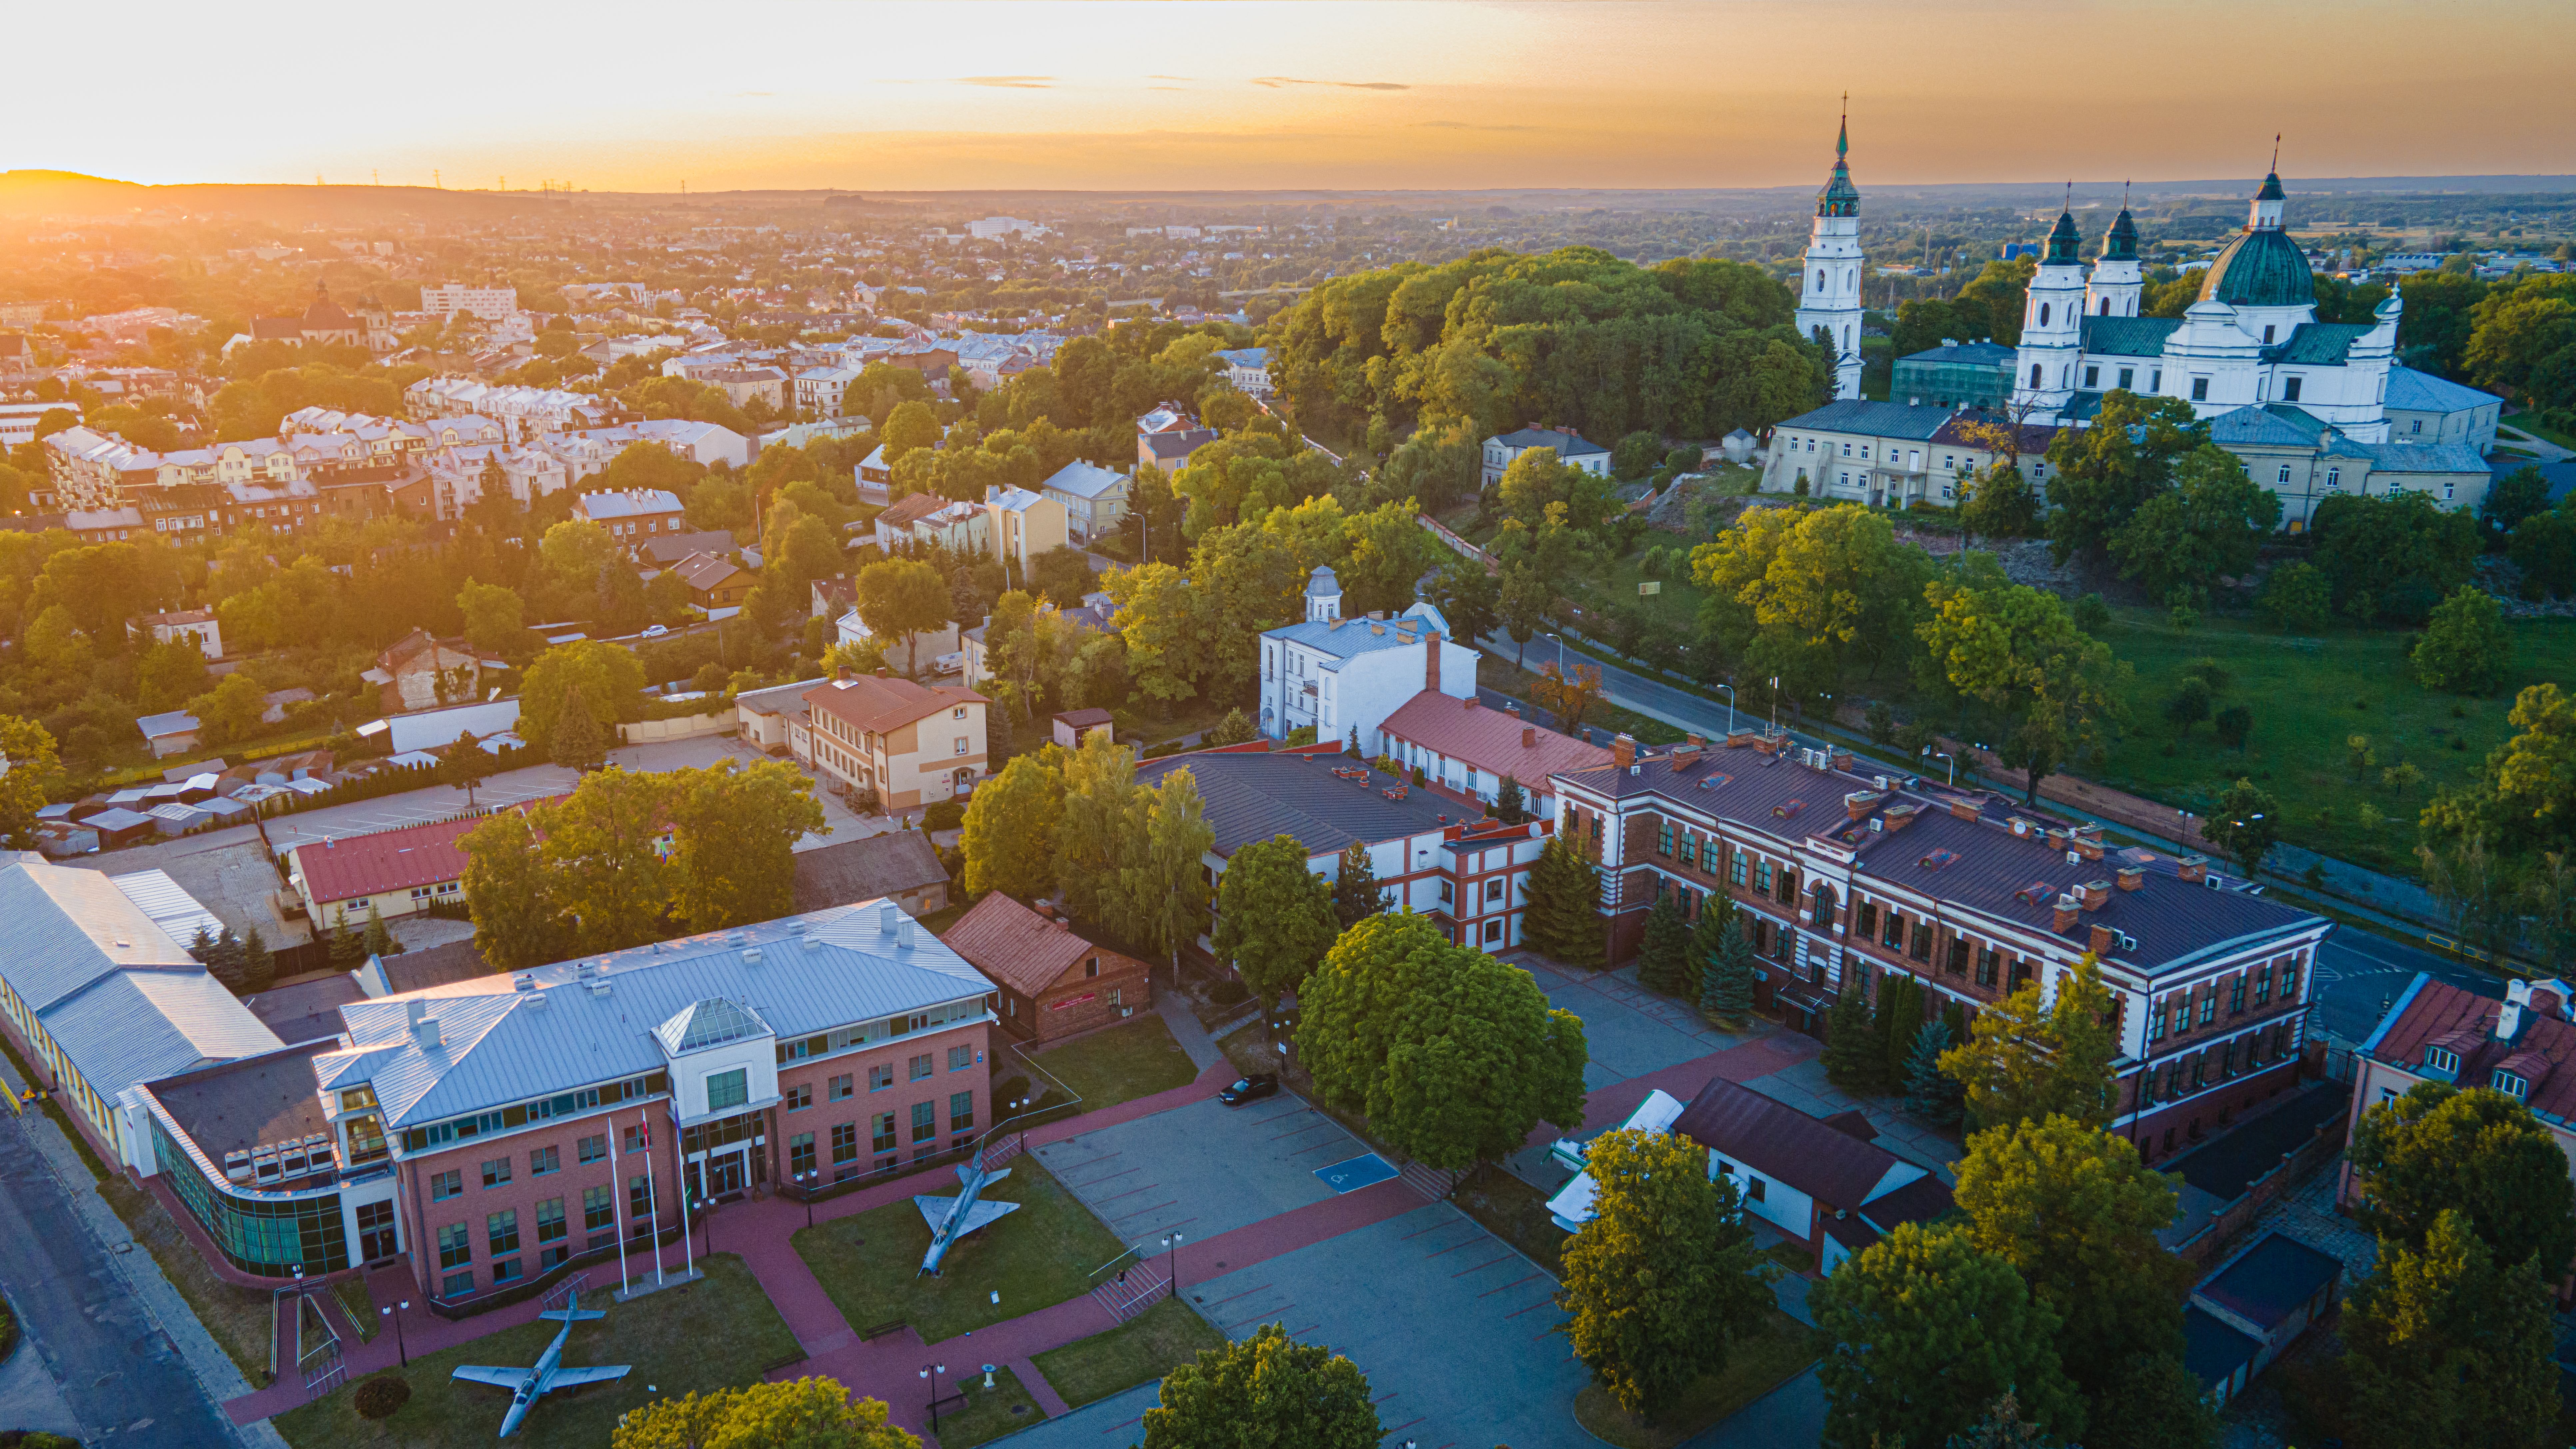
(936, 1211)
(573, 1378)
(499, 1378)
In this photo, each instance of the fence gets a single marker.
(681, 727)
(2203, 1247)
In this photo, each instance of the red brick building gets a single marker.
(1054, 982)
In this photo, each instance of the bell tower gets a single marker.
(1829, 296)
(2118, 280)
(2052, 324)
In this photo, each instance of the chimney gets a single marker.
(1623, 750)
(1064, 925)
(1900, 816)
(903, 929)
(1529, 737)
(1843, 760)
(1472, 702)
(2132, 877)
(1962, 809)
(1046, 909)
(1686, 754)
(424, 1029)
(1858, 803)
(1431, 662)
(2103, 940)
(2088, 847)
(2063, 919)
(843, 674)
(886, 914)
(2194, 869)
(2096, 894)
(1739, 738)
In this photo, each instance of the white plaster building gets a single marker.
(1342, 674)
(489, 303)
(1830, 296)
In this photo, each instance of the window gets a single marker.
(800, 1155)
(445, 1185)
(543, 1161)
(505, 1271)
(1762, 878)
(1753, 1188)
(1663, 837)
(880, 1078)
(881, 1139)
(921, 1067)
(2209, 1007)
(2290, 981)
(455, 1248)
(2267, 331)
(2284, 478)
(838, 1087)
(2043, 314)
(1735, 868)
(1922, 950)
(1494, 889)
(1493, 931)
(2290, 389)
(845, 1142)
(594, 1148)
(639, 1199)
(2199, 1071)
(2440, 1059)
(1957, 956)
(2034, 374)
(2236, 995)
(925, 1121)
(2093, 375)
(1894, 936)
(1988, 959)
(502, 1230)
(958, 713)
(456, 1283)
(1090, 967)
(2263, 985)
(961, 745)
(550, 1220)
(1868, 920)
(2227, 1061)
(598, 1209)
(2334, 477)
(496, 1172)
(2156, 1024)
(2200, 389)
(961, 1111)
(2416, 426)
(728, 1089)
(2156, 380)
(2128, 375)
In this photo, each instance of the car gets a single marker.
(655, 631)
(952, 662)
(1249, 1089)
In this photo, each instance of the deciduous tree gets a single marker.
(1570, 695)
(734, 828)
(806, 1413)
(1009, 839)
(1274, 917)
(2439, 1148)
(901, 599)
(24, 789)
(579, 741)
(2025, 1060)
(600, 858)
(2211, 522)
(2014, 650)
(2466, 648)
(1266, 1390)
(1171, 894)
(2244, 825)
(510, 890)
(2448, 1345)
(610, 679)
(230, 711)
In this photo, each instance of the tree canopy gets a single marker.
(1274, 917)
(2478, 1152)
(1264, 1392)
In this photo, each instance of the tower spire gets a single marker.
(2276, 151)
(1842, 137)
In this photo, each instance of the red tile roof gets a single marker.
(1491, 739)
(390, 860)
(911, 509)
(1015, 945)
(2435, 1014)
(884, 702)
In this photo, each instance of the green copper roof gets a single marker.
(2120, 244)
(2319, 344)
(2271, 188)
(2260, 269)
(2128, 336)
(2062, 241)
(1840, 197)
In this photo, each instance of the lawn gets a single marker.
(353, 1295)
(1515, 1212)
(1141, 1350)
(1005, 1408)
(1041, 1255)
(237, 1317)
(2308, 695)
(1753, 1368)
(717, 1333)
(1134, 1059)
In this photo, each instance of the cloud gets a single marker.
(1276, 81)
(1010, 82)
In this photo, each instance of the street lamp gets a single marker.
(399, 1345)
(1730, 705)
(1172, 1243)
(1931, 753)
(932, 1373)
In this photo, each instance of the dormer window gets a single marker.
(2441, 1059)
(2511, 1085)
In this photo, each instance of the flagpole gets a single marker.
(652, 1197)
(617, 1208)
(680, 1172)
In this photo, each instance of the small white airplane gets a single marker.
(528, 1385)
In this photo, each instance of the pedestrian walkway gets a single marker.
(1174, 1008)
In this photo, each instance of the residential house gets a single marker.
(1098, 614)
(1171, 448)
(744, 384)
(768, 719)
(875, 478)
(1461, 745)
(832, 598)
(1054, 982)
(2423, 408)
(899, 865)
(1849, 450)
(631, 515)
(910, 743)
(1248, 368)
(665, 549)
(1093, 498)
(1071, 727)
(1020, 526)
(819, 389)
(199, 626)
(2253, 1308)
(172, 732)
(715, 581)
(1843, 879)
(2305, 461)
(1572, 449)
(421, 672)
(392, 872)
(930, 644)
(489, 303)
(1342, 676)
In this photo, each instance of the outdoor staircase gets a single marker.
(997, 1153)
(1125, 1300)
(1434, 1184)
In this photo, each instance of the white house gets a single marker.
(1341, 675)
(198, 625)
(1248, 368)
(1094, 498)
(1571, 449)
(819, 389)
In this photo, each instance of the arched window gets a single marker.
(1851, 277)
(1847, 337)
(1820, 281)
(2043, 314)
(2034, 374)
(2106, 306)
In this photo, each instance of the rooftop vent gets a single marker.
(903, 930)
(523, 982)
(751, 957)
(886, 915)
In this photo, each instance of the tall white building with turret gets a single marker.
(1830, 296)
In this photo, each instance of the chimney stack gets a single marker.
(1431, 661)
(1962, 809)
(1529, 737)
(1858, 803)
(1623, 749)
(2062, 920)
(2194, 869)
(2096, 894)
(2102, 940)
(2132, 877)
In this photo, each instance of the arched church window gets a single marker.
(2043, 314)
(2034, 374)
(1847, 338)
(1851, 276)
(2106, 306)
(1820, 281)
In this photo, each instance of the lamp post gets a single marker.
(1931, 753)
(1730, 705)
(403, 1348)
(932, 1373)
(1172, 1246)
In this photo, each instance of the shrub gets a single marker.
(379, 1397)
(944, 815)
(1229, 993)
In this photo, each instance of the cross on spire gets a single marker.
(1842, 138)
(2276, 151)
(2069, 206)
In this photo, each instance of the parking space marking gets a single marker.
(1246, 1293)
(1515, 1283)
(1533, 1308)
(1140, 1212)
(1131, 1192)
(1258, 1317)
(1481, 1267)
(1365, 1170)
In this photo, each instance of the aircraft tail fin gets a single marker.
(572, 1315)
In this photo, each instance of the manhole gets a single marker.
(1220, 1262)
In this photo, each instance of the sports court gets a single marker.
(1205, 1168)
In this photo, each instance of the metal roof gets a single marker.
(136, 1026)
(171, 908)
(1346, 637)
(1083, 480)
(1877, 419)
(1251, 795)
(2422, 392)
(2128, 336)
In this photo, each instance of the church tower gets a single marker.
(1830, 296)
(2118, 279)
(2052, 326)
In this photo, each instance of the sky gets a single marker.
(649, 96)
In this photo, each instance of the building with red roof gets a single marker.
(1463, 745)
(398, 872)
(1053, 981)
(909, 743)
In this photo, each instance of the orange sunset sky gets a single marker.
(1258, 95)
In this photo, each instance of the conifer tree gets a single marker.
(1852, 1055)
(379, 939)
(201, 946)
(230, 961)
(2447, 1346)
(1353, 748)
(579, 743)
(1565, 906)
(1356, 893)
(259, 965)
(348, 948)
(1929, 1092)
(1900, 1016)
(1727, 990)
(1510, 807)
(1663, 959)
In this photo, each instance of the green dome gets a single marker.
(2260, 269)
(2120, 244)
(2062, 241)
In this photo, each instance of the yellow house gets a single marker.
(910, 743)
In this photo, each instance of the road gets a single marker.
(120, 1372)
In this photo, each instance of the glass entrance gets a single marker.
(726, 1173)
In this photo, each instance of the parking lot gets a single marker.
(1202, 1169)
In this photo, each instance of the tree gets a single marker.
(1523, 606)
(1264, 1390)
(2103, 474)
(2003, 1427)
(1664, 1275)
(902, 599)
(2151, 1401)
(2525, 797)
(2024, 1060)
(1469, 597)
(2465, 648)
(379, 938)
(2075, 1211)
(910, 427)
(611, 884)
(734, 828)
(2188, 706)
(1009, 839)
(2235, 725)
(1235, 729)
(1274, 918)
(579, 742)
(2244, 825)
(1563, 916)
(1852, 1057)
(610, 680)
(1997, 501)
(1568, 696)
(1663, 956)
(167, 675)
(1727, 975)
(1812, 595)
(465, 765)
(2392, 556)
(1453, 1055)
(1356, 893)
(2447, 1345)
(1926, 1331)
(492, 616)
(806, 1413)
(1510, 807)
(2015, 650)
(2518, 495)
(259, 964)
(230, 711)
(2211, 522)
(1100, 836)
(2439, 1148)
(1930, 1093)
(1171, 892)
(24, 788)
(2297, 599)
(1898, 1017)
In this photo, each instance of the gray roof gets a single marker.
(778, 698)
(2404, 457)
(2421, 392)
(1083, 480)
(1975, 354)
(866, 869)
(171, 908)
(63, 930)
(170, 722)
(2276, 424)
(136, 1026)
(1346, 637)
(1877, 419)
(500, 1045)
(1567, 445)
(2318, 344)
(1323, 582)
(1252, 795)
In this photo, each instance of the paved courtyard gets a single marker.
(1202, 1169)
(1630, 1031)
